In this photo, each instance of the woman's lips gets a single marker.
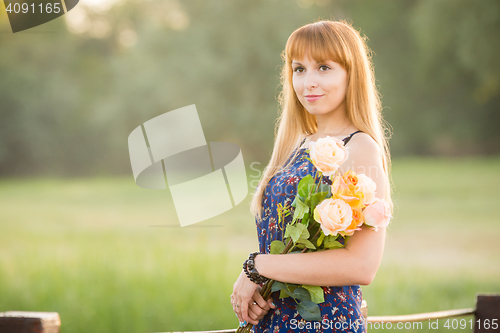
(312, 98)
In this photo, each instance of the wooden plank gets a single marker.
(421, 316)
(487, 313)
(219, 331)
(29, 322)
(364, 309)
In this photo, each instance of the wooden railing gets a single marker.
(29, 322)
(486, 319)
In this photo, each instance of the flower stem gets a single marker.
(317, 232)
(320, 179)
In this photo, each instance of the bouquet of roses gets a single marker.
(325, 216)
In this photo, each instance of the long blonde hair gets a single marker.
(337, 41)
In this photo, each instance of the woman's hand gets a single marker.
(247, 302)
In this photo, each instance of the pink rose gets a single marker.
(377, 214)
(368, 187)
(333, 215)
(327, 154)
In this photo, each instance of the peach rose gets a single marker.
(346, 188)
(327, 154)
(350, 177)
(357, 222)
(368, 187)
(333, 215)
(377, 214)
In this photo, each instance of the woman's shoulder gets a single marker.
(364, 152)
(366, 156)
(364, 143)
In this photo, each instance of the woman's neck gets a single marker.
(333, 124)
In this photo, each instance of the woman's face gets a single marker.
(320, 87)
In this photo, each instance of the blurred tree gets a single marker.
(73, 89)
(458, 49)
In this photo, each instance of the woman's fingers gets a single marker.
(270, 301)
(244, 310)
(236, 303)
(244, 314)
(253, 310)
(236, 310)
(261, 301)
(259, 308)
(255, 317)
(263, 304)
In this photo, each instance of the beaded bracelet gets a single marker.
(250, 270)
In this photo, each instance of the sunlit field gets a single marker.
(109, 256)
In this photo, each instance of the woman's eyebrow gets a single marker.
(317, 62)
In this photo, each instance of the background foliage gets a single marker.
(73, 89)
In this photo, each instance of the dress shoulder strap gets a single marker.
(349, 137)
(300, 144)
(346, 139)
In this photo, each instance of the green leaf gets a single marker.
(277, 285)
(325, 188)
(316, 292)
(301, 293)
(316, 198)
(316, 215)
(320, 239)
(286, 289)
(277, 247)
(287, 230)
(331, 242)
(307, 243)
(300, 209)
(304, 185)
(303, 232)
(310, 188)
(309, 310)
(291, 287)
(293, 232)
(305, 219)
(284, 293)
(297, 232)
(334, 245)
(299, 246)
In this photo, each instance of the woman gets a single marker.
(328, 90)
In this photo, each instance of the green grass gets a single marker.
(109, 256)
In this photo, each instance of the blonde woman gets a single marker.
(328, 90)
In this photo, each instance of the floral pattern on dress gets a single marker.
(341, 310)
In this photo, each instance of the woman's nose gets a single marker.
(310, 82)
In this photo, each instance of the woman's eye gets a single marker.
(298, 69)
(324, 67)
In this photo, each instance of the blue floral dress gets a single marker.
(341, 311)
